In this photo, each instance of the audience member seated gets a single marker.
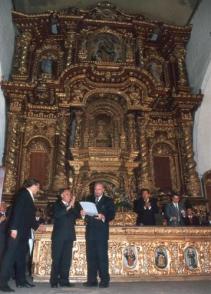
(146, 208)
(191, 219)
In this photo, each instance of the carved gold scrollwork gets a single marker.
(192, 180)
(12, 154)
(60, 178)
(180, 54)
(22, 58)
(144, 180)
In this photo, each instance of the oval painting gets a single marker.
(130, 256)
(161, 257)
(191, 258)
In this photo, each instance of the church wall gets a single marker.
(7, 35)
(199, 71)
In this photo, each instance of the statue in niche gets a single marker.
(47, 66)
(54, 24)
(135, 94)
(156, 70)
(105, 48)
(103, 138)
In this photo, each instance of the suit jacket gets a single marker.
(194, 221)
(171, 211)
(145, 216)
(22, 216)
(97, 229)
(64, 222)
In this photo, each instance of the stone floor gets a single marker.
(188, 287)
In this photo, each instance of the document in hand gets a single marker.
(89, 208)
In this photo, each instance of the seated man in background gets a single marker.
(191, 219)
(146, 208)
(175, 212)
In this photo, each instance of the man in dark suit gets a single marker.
(191, 219)
(146, 208)
(175, 212)
(21, 221)
(97, 235)
(63, 236)
(2, 229)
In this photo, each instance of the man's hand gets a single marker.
(72, 202)
(41, 228)
(2, 218)
(83, 213)
(100, 216)
(14, 234)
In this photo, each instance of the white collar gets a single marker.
(31, 194)
(65, 203)
(98, 198)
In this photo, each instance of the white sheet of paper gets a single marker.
(89, 208)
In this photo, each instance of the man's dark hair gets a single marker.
(175, 193)
(143, 190)
(30, 182)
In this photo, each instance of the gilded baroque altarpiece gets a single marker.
(99, 95)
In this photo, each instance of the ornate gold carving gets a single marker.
(12, 153)
(93, 87)
(60, 178)
(22, 47)
(186, 253)
(192, 180)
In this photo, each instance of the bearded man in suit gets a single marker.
(21, 221)
(97, 235)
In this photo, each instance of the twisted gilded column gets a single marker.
(12, 153)
(191, 177)
(180, 53)
(21, 57)
(144, 178)
(78, 116)
(69, 44)
(60, 178)
(132, 132)
(140, 47)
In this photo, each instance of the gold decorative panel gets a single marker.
(137, 254)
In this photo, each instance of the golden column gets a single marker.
(132, 132)
(21, 55)
(144, 178)
(70, 44)
(180, 53)
(12, 153)
(60, 178)
(191, 177)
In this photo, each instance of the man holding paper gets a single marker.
(97, 235)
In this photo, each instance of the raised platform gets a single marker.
(138, 253)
